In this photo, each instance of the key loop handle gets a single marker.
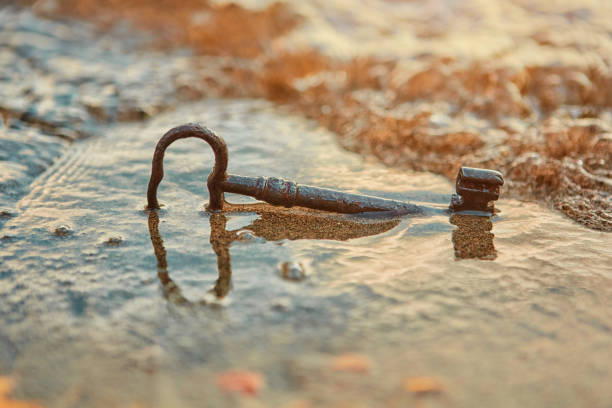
(215, 178)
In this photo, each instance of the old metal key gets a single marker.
(476, 188)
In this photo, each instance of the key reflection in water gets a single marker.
(473, 237)
(273, 224)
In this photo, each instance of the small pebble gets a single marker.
(148, 359)
(62, 231)
(293, 271)
(114, 241)
(421, 386)
(280, 304)
(6, 214)
(354, 363)
(243, 382)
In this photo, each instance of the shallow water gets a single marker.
(512, 311)
(64, 80)
(537, 317)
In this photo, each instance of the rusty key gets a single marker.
(476, 188)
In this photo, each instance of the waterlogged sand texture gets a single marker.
(105, 304)
(163, 309)
(522, 87)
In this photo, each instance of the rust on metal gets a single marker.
(476, 188)
(215, 178)
(286, 193)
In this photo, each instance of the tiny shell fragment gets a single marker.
(292, 271)
(113, 241)
(62, 231)
(422, 385)
(351, 362)
(241, 382)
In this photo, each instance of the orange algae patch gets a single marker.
(551, 155)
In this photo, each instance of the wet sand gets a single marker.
(105, 304)
(417, 298)
(520, 87)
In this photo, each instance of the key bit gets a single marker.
(476, 188)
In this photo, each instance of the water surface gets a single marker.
(533, 315)
(105, 304)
